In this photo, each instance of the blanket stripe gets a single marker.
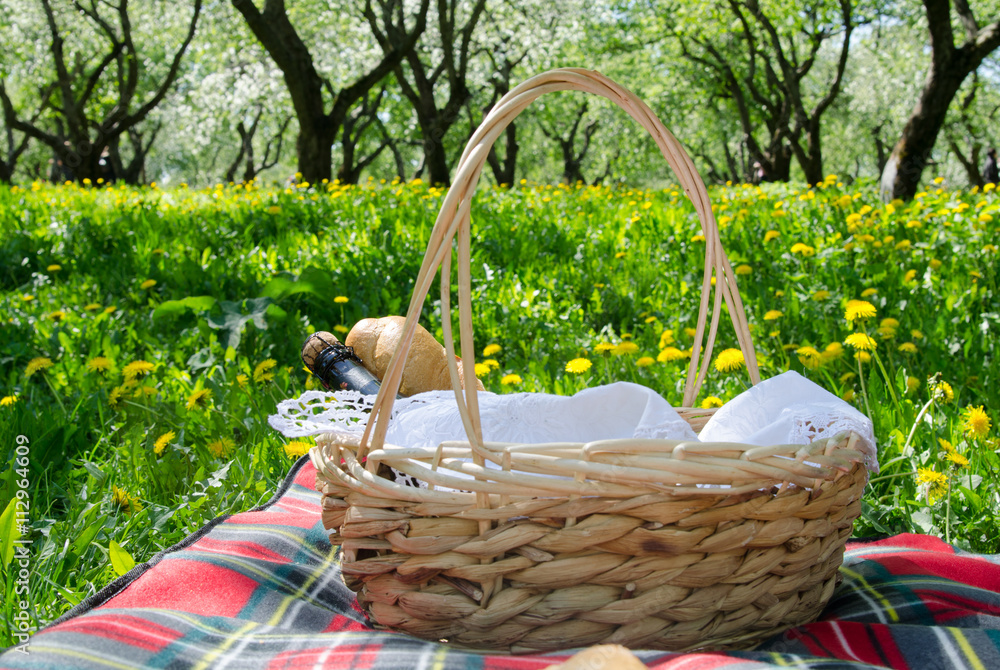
(261, 589)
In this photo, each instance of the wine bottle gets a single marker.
(337, 366)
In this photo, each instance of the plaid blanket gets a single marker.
(261, 590)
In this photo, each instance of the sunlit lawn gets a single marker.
(145, 336)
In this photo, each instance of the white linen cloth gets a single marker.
(786, 409)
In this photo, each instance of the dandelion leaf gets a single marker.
(195, 303)
(9, 532)
(121, 560)
(233, 318)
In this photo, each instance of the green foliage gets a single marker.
(160, 329)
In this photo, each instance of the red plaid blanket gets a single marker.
(262, 590)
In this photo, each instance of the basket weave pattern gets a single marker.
(640, 542)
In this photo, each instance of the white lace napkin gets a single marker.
(787, 409)
(617, 410)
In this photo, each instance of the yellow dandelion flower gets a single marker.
(907, 348)
(930, 476)
(55, 267)
(861, 342)
(859, 309)
(27, 297)
(92, 307)
(137, 369)
(57, 315)
(729, 360)
(848, 395)
(162, 441)
(99, 364)
(909, 276)
(274, 209)
(957, 458)
(942, 392)
(743, 269)
(869, 292)
(297, 448)
(482, 369)
(125, 502)
(889, 322)
(645, 361)
(8, 400)
(116, 395)
(625, 349)
(773, 315)
(511, 380)
(690, 332)
(603, 348)
(578, 365)
(832, 352)
(492, 363)
(710, 402)
(37, 365)
(912, 384)
(821, 295)
(809, 357)
(698, 238)
(263, 371)
(145, 392)
(770, 235)
(670, 354)
(885, 332)
(976, 423)
(803, 249)
(862, 356)
(916, 334)
(341, 299)
(110, 309)
(149, 283)
(492, 350)
(946, 445)
(199, 399)
(221, 448)
(650, 319)
(242, 380)
(666, 338)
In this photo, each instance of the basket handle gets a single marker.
(454, 220)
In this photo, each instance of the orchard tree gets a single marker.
(951, 64)
(434, 76)
(321, 106)
(764, 62)
(99, 86)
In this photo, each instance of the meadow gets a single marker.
(146, 334)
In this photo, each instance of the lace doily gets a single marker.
(787, 409)
(617, 410)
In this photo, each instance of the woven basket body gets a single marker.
(640, 542)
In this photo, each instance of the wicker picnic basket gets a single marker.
(642, 542)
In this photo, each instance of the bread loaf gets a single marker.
(375, 340)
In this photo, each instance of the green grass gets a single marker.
(242, 276)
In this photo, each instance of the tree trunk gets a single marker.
(318, 128)
(315, 150)
(503, 171)
(811, 159)
(949, 68)
(901, 176)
